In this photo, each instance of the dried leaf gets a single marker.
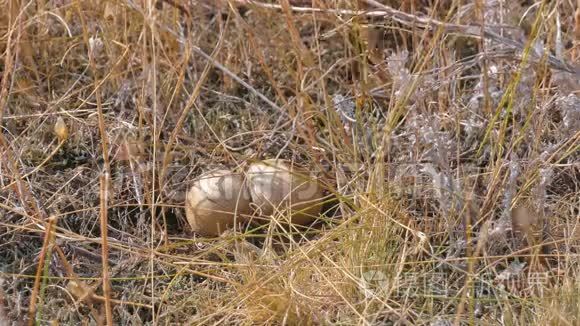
(81, 292)
(61, 129)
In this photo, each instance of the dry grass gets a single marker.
(455, 124)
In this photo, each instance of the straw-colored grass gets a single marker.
(453, 184)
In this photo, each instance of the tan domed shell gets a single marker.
(216, 202)
(276, 185)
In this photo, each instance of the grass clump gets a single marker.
(445, 134)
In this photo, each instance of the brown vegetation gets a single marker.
(446, 132)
